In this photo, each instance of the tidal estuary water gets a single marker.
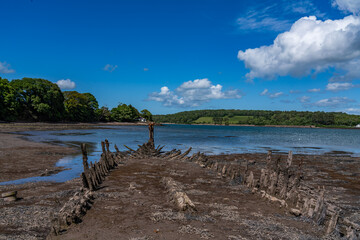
(207, 139)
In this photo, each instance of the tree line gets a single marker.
(35, 99)
(264, 117)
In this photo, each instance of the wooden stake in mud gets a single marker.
(107, 145)
(151, 133)
(86, 168)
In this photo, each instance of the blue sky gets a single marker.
(169, 56)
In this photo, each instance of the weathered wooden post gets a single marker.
(104, 157)
(107, 145)
(87, 181)
(109, 155)
(151, 134)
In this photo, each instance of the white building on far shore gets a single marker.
(358, 126)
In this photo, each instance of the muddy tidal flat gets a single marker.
(133, 202)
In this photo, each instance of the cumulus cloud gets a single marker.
(311, 45)
(6, 68)
(333, 102)
(66, 84)
(277, 17)
(352, 6)
(192, 94)
(335, 87)
(110, 68)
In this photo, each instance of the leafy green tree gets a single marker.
(124, 113)
(8, 103)
(134, 112)
(39, 99)
(146, 114)
(103, 114)
(217, 120)
(226, 121)
(91, 101)
(80, 107)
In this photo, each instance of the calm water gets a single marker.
(207, 139)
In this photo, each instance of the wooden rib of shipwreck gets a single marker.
(92, 176)
(180, 198)
(281, 183)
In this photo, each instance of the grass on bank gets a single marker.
(232, 120)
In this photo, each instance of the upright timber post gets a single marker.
(86, 174)
(151, 134)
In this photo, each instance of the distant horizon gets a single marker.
(175, 56)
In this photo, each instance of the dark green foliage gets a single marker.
(39, 99)
(34, 99)
(91, 101)
(8, 103)
(261, 117)
(217, 120)
(124, 113)
(80, 107)
(226, 121)
(134, 113)
(146, 114)
(103, 114)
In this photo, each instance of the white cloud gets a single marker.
(304, 99)
(310, 45)
(6, 68)
(66, 84)
(271, 95)
(263, 93)
(333, 102)
(314, 90)
(276, 95)
(110, 68)
(253, 22)
(353, 111)
(192, 94)
(335, 87)
(146, 69)
(276, 17)
(352, 6)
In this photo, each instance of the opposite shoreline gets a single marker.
(251, 125)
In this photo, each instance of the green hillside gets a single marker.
(232, 120)
(261, 117)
